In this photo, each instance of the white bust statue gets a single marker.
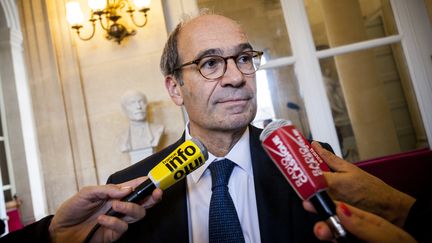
(141, 137)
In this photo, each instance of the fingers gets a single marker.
(123, 189)
(99, 193)
(369, 227)
(322, 231)
(334, 162)
(86, 201)
(357, 221)
(309, 207)
(110, 191)
(133, 211)
(113, 228)
(153, 199)
(362, 225)
(333, 180)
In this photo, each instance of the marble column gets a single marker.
(368, 110)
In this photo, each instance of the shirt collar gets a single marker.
(239, 154)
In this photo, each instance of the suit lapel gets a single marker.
(178, 229)
(273, 194)
(173, 226)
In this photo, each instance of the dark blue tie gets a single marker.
(224, 225)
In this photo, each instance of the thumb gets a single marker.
(334, 162)
(111, 191)
(134, 183)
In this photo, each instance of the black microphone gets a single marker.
(183, 160)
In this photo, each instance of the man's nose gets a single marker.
(138, 105)
(232, 75)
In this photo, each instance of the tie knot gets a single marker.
(221, 172)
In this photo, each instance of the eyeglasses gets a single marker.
(214, 66)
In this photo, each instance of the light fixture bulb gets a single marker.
(107, 13)
(140, 4)
(97, 5)
(74, 15)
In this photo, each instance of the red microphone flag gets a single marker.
(296, 159)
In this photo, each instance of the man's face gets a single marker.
(135, 107)
(229, 102)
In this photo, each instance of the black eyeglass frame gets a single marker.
(198, 60)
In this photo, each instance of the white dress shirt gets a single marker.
(241, 188)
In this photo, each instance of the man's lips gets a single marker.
(233, 100)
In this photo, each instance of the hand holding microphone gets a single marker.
(302, 167)
(176, 166)
(366, 226)
(77, 215)
(186, 158)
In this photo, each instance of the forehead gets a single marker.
(210, 32)
(132, 98)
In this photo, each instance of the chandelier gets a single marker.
(108, 13)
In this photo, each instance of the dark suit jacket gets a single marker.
(280, 212)
(35, 232)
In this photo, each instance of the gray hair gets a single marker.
(170, 58)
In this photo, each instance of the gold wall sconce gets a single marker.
(108, 13)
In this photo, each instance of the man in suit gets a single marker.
(209, 68)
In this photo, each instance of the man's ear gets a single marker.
(173, 89)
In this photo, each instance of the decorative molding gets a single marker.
(24, 157)
(11, 14)
(51, 118)
(363, 45)
(309, 75)
(414, 25)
